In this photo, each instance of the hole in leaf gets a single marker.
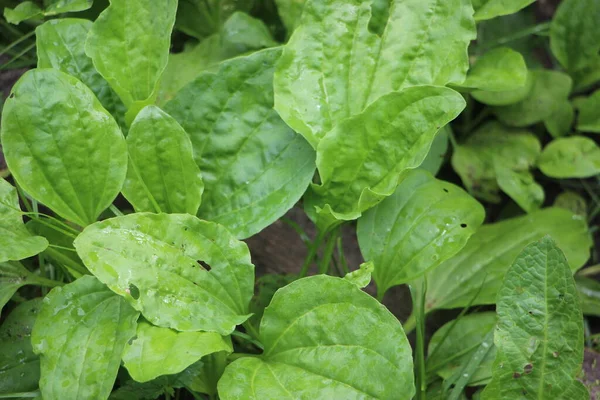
(204, 265)
(134, 291)
(12, 96)
(528, 368)
(446, 190)
(463, 225)
(530, 312)
(132, 340)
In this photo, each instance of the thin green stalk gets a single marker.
(533, 30)
(486, 112)
(20, 395)
(296, 227)
(44, 282)
(54, 246)
(253, 334)
(115, 210)
(419, 311)
(56, 228)
(312, 252)
(21, 53)
(410, 323)
(590, 271)
(325, 262)
(16, 42)
(342, 256)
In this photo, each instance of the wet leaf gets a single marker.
(488, 9)
(29, 10)
(588, 119)
(498, 70)
(539, 335)
(570, 157)
(180, 272)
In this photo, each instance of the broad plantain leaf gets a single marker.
(360, 160)
(159, 351)
(254, 167)
(13, 275)
(242, 33)
(570, 157)
(22, 12)
(62, 6)
(129, 45)
(19, 366)
(588, 75)
(425, 222)
(437, 152)
(29, 10)
(359, 350)
(62, 146)
(549, 90)
(180, 272)
(588, 119)
(454, 343)
(333, 67)
(488, 9)
(573, 202)
(561, 121)
(162, 175)
(476, 272)
(574, 35)
(520, 186)
(201, 18)
(506, 97)
(499, 70)
(60, 45)
(539, 336)
(80, 334)
(589, 294)
(16, 243)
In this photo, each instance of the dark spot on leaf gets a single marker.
(530, 312)
(134, 291)
(204, 265)
(561, 296)
(516, 375)
(445, 190)
(463, 225)
(524, 392)
(185, 228)
(12, 96)
(528, 368)
(130, 342)
(555, 354)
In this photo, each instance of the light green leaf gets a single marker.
(162, 175)
(539, 335)
(159, 351)
(507, 97)
(318, 84)
(129, 45)
(362, 276)
(80, 334)
(574, 35)
(242, 33)
(16, 243)
(589, 294)
(359, 351)
(570, 157)
(549, 90)
(19, 366)
(571, 201)
(23, 11)
(62, 146)
(459, 344)
(62, 6)
(588, 119)
(437, 152)
(360, 160)
(520, 186)
(160, 263)
(290, 12)
(561, 121)
(498, 70)
(29, 10)
(254, 166)
(488, 9)
(60, 45)
(201, 18)
(482, 263)
(425, 222)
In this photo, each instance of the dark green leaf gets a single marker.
(488, 9)
(560, 122)
(571, 201)
(588, 119)
(437, 152)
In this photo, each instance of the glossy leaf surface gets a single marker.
(488, 9)
(539, 336)
(62, 146)
(570, 157)
(588, 119)
(254, 166)
(162, 175)
(500, 69)
(333, 67)
(476, 272)
(425, 222)
(159, 351)
(159, 263)
(359, 350)
(80, 334)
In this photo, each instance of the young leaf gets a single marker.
(549, 90)
(60, 45)
(561, 121)
(588, 75)
(358, 351)
(506, 97)
(570, 157)
(488, 9)
(162, 175)
(159, 351)
(80, 334)
(362, 276)
(361, 159)
(319, 84)
(16, 243)
(254, 167)
(425, 222)
(62, 146)
(459, 344)
(574, 35)
(63, 6)
(29, 10)
(129, 45)
(498, 70)
(480, 266)
(19, 366)
(539, 336)
(180, 272)
(589, 119)
(22, 12)
(573, 202)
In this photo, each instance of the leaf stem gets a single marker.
(325, 262)
(115, 210)
(532, 30)
(45, 282)
(312, 252)
(16, 42)
(16, 57)
(419, 312)
(410, 323)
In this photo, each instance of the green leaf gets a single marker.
(80, 334)
(449, 349)
(362, 276)
(16, 243)
(60, 45)
(160, 262)
(358, 351)
(437, 152)
(318, 85)
(62, 146)
(488, 9)
(129, 45)
(29, 10)
(162, 175)
(476, 272)
(13, 275)
(507, 97)
(425, 222)
(290, 12)
(520, 186)
(498, 70)
(242, 33)
(19, 366)
(571, 201)
(201, 18)
(549, 90)
(159, 351)
(22, 12)
(587, 76)
(574, 35)
(204, 375)
(254, 166)
(360, 160)
(266, 287)
(570, 157)
(62, 6)
(561, 121)
(589, 294)
(539, 335)
(588, 119)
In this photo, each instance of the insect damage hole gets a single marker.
(463, 225)
(446, 190)
(204, 265)
(133, 291)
